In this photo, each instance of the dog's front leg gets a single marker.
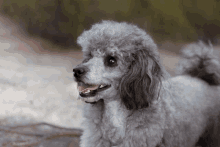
(92, 136)
(142, 137)
(98, 141)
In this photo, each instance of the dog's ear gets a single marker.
(141, 84)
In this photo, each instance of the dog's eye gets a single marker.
(111, 61)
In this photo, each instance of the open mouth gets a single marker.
(88, 90)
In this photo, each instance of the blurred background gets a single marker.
(61, 21)
(38, 51)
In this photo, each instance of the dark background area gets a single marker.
(61, 21)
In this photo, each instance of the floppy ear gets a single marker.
(141, 84)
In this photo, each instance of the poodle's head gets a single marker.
(120, 62)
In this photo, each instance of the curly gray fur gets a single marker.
(199, 61)
(142, 107)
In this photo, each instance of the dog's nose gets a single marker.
(78, 72)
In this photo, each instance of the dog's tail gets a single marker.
(199, 61)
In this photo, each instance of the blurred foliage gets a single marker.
(61, 21)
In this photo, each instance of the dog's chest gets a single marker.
(114, 122)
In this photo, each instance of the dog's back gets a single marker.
(199, 94)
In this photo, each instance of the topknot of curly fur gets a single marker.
(117, 34)
(198, 61)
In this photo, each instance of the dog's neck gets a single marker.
(115, 112)
(114, 121)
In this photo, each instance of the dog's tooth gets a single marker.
(88, 91)
(101, 86)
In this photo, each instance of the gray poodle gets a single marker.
(132, 102)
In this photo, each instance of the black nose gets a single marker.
(79, 72)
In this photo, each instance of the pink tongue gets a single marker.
(87, 87)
